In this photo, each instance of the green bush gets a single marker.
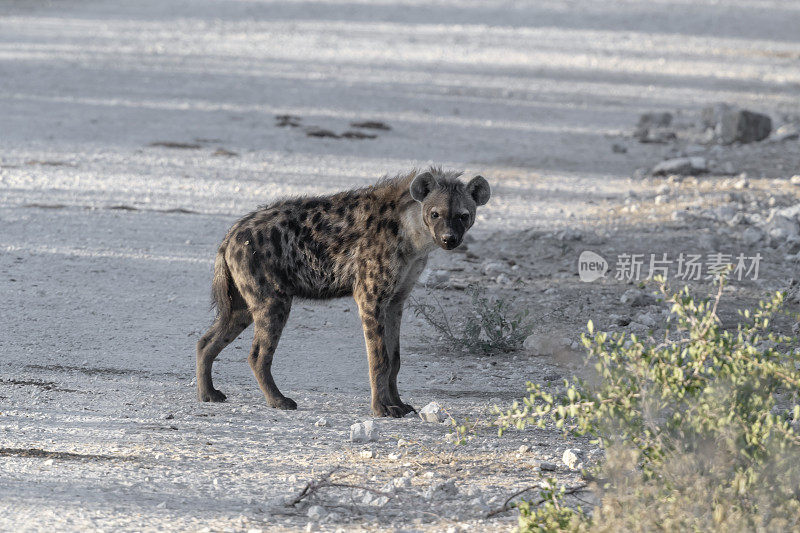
(699, 429)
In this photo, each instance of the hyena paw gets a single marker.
(407, 408)
(287, 404)
(394, 411)
(211, 395)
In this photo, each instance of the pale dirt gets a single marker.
(107, 242)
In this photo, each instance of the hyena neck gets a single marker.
(414, 233)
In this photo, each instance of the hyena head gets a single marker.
(448, 206)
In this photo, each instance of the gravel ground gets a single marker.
(135, 133)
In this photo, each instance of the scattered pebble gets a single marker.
(681, 165)
(432, 413)
(572, 458)
(364, 432)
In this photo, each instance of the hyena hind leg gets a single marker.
(270, 318)
(221, 334)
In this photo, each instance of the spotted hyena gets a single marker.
(371, 243)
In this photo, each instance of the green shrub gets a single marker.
(489, 325)
(699, 429)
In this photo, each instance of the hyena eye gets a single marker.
(434, 214)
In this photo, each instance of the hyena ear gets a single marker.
(422, 186)
(478, 188)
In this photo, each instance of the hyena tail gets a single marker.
(223, 290)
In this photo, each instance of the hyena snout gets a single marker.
(450, 240)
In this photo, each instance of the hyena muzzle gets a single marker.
(371, 243)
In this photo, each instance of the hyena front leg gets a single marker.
(394, 316)
(221, 334)
(269, 317)
(373, 319)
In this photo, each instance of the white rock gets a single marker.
(321, 422)
(316, 513)
(366, 454)
(524, 448)
(432, 413)
(795, 180)
(572, 458)
(364, 432)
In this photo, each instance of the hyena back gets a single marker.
(371, 243)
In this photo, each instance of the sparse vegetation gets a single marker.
(490, 325)
(700, 430)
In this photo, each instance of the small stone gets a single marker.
(657, 119)
(432, 413)
(542, 344)
(743, 126)
(441, 491)
(646, 320)
(791, 212)
(321, 422)
(787, 132)
(795, 180)
(367, 454)
(751, 236)
(394, 456)
(495, 268)
(712, 115)
(169, 416)
(312, 526)
(636, 298)
(48, 462)
(618, 148)
(364, 432)
(402, 442)
(742, 182)
(681, 165)
(401, 482)
(661, 199)
(316, 513)
(678, 215)
(502, 279)
(736, 219)
(524, 448)
(572, 457)
(546, 466)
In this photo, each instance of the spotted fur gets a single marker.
(370, 243)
